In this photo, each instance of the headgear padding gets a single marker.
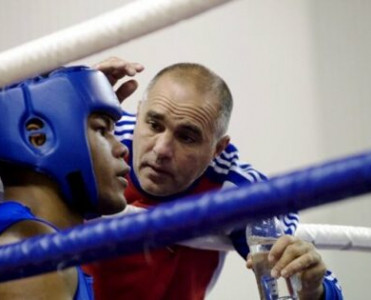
(61, 103)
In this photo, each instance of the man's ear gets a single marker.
(221, 145)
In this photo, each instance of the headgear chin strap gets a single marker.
(60, 104)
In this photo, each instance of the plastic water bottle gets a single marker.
(261, 234)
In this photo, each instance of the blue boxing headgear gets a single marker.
(61, 103)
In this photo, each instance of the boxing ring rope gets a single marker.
(336, 237)
(168, 223)
(106, 31)
(323, 236)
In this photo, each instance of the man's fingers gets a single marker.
(291, 255)
(126, 89)
(279, 247)
(249, 261)
(115, 68)
(301, 263)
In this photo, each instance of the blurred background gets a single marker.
(300, 75)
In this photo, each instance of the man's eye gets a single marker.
(102, 130)
(187, 139)
(154, 125)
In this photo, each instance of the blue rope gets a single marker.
(187, 218)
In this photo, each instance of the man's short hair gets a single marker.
(205, 81)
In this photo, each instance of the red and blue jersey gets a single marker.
(182, 272)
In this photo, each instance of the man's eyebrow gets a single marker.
(186, 126)
(192, 128)
(110, 123)
(155, 115)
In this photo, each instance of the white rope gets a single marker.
(323, 236)
(108, 30)
(336, 236)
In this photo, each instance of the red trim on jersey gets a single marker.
(175, 272)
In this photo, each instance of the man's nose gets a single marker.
(164, 146)
(120, 150)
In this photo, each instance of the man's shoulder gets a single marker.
(18, 223)
(228, 169)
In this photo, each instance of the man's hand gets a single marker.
(115, 69)
(290, 255)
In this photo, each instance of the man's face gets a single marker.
(174, 138)
(109, 165)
